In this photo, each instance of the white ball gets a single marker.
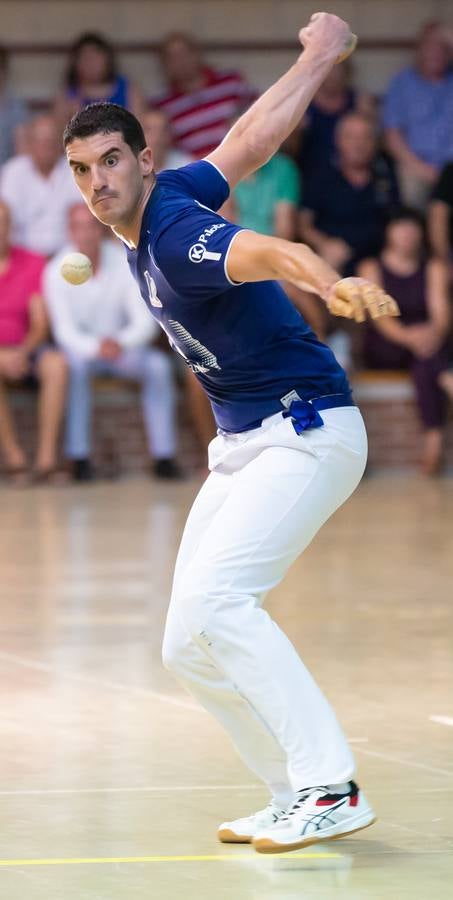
(76, 268)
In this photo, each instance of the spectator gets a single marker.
(92, 75)
(104, 328)
(23, 330)
(13, 112)
(417, 116)
(440, 217)
(38, 188)
(346, 203)
(417, 340)
(200, 101)
(268, 200)
(158, 136)
(335, 98)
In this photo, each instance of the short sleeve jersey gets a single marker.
(247, 344)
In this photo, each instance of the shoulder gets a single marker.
(16, 166)
(33, 261)
(405, 79)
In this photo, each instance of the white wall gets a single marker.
(54, 21)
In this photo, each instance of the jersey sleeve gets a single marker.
(192, 253)
(201, 180)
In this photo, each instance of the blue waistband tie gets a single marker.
(303, 416)
(304, 413)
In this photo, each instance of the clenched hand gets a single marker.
(354, 298)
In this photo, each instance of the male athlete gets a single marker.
(291, 444)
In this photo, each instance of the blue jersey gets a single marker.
(249, 347)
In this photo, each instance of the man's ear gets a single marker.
(146, 162)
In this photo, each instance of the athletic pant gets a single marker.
(268, 493)
(150, 366)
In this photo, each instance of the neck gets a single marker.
(194, 83)
(44, 170)
(401, 262)
(129, 231)
(355, 172)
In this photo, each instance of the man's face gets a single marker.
(44, 143)
(180, 60)
(157, 131)
(85, 231)
(109, 176)
(356, 142)
(433, 57)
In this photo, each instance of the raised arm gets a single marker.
(256, 257)
(258, 134)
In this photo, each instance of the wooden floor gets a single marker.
(113, 781)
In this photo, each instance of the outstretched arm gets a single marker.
(256, 257)
(258, 134)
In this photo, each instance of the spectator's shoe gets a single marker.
(316, 815)
(82, 470)
(241, 831)
(167, 468)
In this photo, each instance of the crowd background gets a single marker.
(366, 179)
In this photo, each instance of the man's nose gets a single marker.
(97, 179)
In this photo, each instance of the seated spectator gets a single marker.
(157, 131)
(39, 188)
(315, 146)
(417, 116)
(92, 75)
(13, 112)
(104, 328)
(23, 331)
(440, 217)
(346, 204)
(200, 101)
(268, 200)
(415, 341)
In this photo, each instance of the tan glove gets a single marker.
(353, 298)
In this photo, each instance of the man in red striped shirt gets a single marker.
(200, 101)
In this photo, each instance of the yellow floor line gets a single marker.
(106, 860)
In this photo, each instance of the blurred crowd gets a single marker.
(367, 182)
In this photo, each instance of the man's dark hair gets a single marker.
(105, 118)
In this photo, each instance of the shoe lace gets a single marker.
(302, 796)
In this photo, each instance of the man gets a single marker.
(200, 101)
(23, 331)
(346, 203)
(157, 131)
(38, 190)
(417, 115)
(277, 475)
(440, 217)
(103, 328)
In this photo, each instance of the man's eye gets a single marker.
(111, 161)
(81, 170)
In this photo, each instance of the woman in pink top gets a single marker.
(23, 329)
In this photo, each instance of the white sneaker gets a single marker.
(316, 816)
(241, 831)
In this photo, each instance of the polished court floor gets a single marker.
(113, 781)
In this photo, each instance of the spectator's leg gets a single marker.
(432, 406)
(12, 452)
(78, 411)
(152, 367)
(51, 370)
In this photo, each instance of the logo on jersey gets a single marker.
(199, 252)
(152, 290)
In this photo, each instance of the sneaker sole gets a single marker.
(267, 845)
(226, 836)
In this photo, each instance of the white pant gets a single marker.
(268, 493)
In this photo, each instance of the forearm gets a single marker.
(392, 330)
(299, 265)
(272, 118)
(311, 235)
(438, 220)
(398, 147)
